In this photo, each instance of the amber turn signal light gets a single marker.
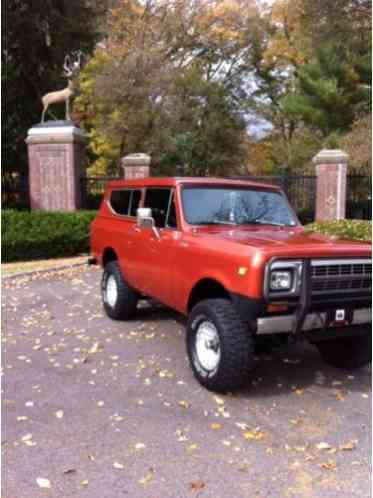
(273, 308)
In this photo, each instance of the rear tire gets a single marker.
(220, 346)
(118, 299)
(349, 353)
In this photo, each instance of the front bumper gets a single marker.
(313, 321)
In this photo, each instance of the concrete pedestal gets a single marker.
(56, 154)
(135, 166)
(331, 171)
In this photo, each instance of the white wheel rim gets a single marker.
(208, 346)
(111, 292)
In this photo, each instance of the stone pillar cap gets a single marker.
(331, 156)
(55, 133)
(136, 160)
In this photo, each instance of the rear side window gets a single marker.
(125, 202)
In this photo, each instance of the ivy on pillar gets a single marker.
(331, 174)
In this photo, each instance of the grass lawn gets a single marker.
(46, 264)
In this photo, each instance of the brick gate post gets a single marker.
(331, 173)
(135, 166)
(56, 156)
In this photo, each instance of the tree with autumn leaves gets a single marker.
(209, 86)
(170, 80)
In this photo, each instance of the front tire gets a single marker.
(118, 299)
(220, 346)
(349, 353)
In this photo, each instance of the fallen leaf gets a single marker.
(329, 465)
(215, 426)
(299, 392)
(149, 476)
(139, 446)
(84, 483)
(219, 401)
(30, 443)
(295, 421)
(95, 348)
(193, 447)
(350, 445)
(323, 446)
(69, 471)
(43, 483)
(242, 426)
(27, 437)
(197, 485)
(184, 404)
(253, 435)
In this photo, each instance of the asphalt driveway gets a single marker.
(97, 408)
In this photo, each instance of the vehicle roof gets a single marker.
(190, 180)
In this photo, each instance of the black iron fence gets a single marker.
(15, 192)
(92, 189)
(300, 190)
(359, 197)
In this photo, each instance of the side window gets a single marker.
(171, 219)
(120, 201)
(125, 202)
(158, 200)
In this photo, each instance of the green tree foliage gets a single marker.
(37, 36)
(314, 73)
(332, 88)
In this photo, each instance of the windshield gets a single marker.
(235, 206)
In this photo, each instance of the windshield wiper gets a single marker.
(263, 222)
(215, 222)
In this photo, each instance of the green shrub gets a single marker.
(41, 235)
(344, 229)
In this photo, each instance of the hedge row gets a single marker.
(344, 229)
(41, 235)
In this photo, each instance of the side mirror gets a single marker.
(146, 220)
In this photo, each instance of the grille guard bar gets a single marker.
(304, 303)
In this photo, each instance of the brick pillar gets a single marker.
(56, 156)
(136, 166)
(331, 172)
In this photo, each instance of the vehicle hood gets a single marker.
(291, 241)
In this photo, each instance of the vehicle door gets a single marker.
(158, 259)
(123, 203)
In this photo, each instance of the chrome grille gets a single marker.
(354, 275)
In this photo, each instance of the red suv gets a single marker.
(232, 256)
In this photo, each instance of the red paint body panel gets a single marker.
(168, 268)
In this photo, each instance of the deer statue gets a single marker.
(71, 68)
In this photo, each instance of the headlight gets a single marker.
(280, 280)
